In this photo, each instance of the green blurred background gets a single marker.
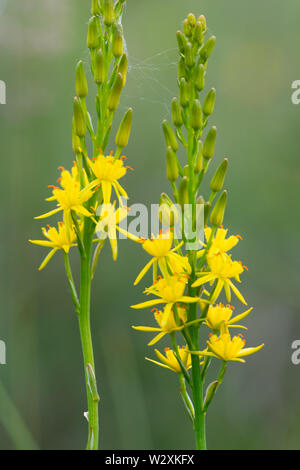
(252, 68)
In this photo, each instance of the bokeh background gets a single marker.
(253, 66)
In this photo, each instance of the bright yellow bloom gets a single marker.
(220, 244)
(163, 255)
(170, 291)
(227, 349)
(61, 239)
(169, 361)
(69, 197)
(218, 315)
(108, 225)
(223, 269)
(108, 171)
(166, 323)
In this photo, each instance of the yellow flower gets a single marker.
(69, 197)
(227, 349)
(223, 269)
(108, 171)
(218, 315)
(169, 361)
(163, 254)
(220, 244)
(108, 225)
(61, 239)
(170, 291)
(166, 324)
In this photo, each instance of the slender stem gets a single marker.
(71, 283)
(87, 349)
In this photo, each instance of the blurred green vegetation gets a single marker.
(253, 66)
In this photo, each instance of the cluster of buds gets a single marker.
(109, 64)
(190, 119)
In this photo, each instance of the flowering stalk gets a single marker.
(84, 194)
(195, 273)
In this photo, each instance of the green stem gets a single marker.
(199, 421)
(71, 283)
(87, 348)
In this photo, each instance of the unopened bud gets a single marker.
(183, 93)
(168, 212)
(202, 21)
(207, 208)
(80, 126)
(183, 192)
(200, 77)
(123, 66)
(186, 170)
(196, 116)
(210, 142)
(181, 69)
(170, 137)
(191, 19)
(115, 94)
(123, 134)
(81, 83)
(189, 55)
(108, 12)
(199, 158)
(219, 177)
(181, 40)
(217, 215)
(209, 102)
(93, 37)
(75, 139)
(207, 48)
(176, 113)
(117, 41)
(95, 10)
(99, 69)
(187, 29)
(198, 33)
(172, 166)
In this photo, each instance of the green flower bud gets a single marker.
(202, 21)
(95, 10)
(200, 200)
(199, 158)
(115, 94)
(183, 93)
(200, 77)
(187, 29)
(209, 102)
(207, 208)
(183, 191)
(117, 41)
(198, 32)
(189, 55)
(172, 166)
(75, 139)
(186, 170)
(207, 48)
(191, 19)
(93, 36)
(168, 212)
(181, 69)
(170, 137)
(123, 66)
(196, 116)
(80, 126)
(181, 40)
(217, 215)
(99, 69)
(81, 83)
(210, 142)
(219, 177)
(123, 134)
(176, 113)
(108, 12)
